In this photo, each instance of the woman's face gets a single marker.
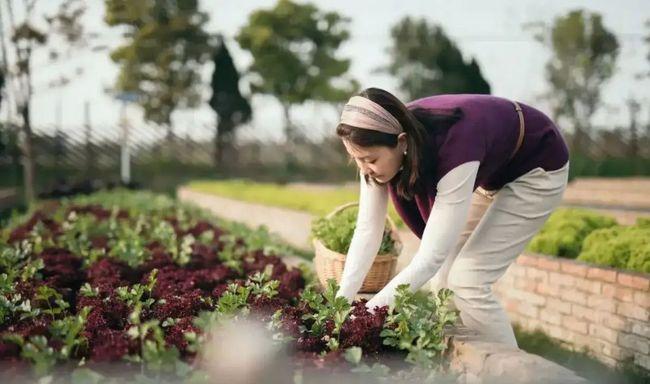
(381, 163)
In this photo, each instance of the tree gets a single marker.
(2, 83)
(162, 58)
(294, 56)
(647, 41)
(647, 74)
(231, 107)
(425, 62)
(634, 107)
(24, 37)
(584, 57)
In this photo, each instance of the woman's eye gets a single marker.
(372, 162)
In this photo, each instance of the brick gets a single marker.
(613, 321)
(548, 264)
(517, 270)
(603, 333)
(533, 324)
(582, 312)
(641, 329)
(642, 298)
(587, 285)
(528, 297)
(547, 289)
(559, 305)
(574, 324)
(642, 361)
(501, 292)
(601, 303)
(519, 320)
(561, 279)
(550, 316)
(579, 341)
(634, 343)
(537, 275)
(528, 260)
(525, 284)
(574, 296)
(528, 324)
(634, 281)
(610, 362)
(618, 292)
(595, 346)
(602, 274)
(528, 309)
(510, 305)
(613, 351)
(633, 311)
(573, 268)
(556, 332)
(506, 280)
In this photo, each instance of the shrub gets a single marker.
(563, 234)
(625, 247)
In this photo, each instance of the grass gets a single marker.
(581, 362)
(316, 201)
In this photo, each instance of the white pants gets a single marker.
(499, 226)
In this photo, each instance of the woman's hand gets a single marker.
(373, 303)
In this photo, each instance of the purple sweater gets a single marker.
(487, 133)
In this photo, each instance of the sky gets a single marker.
(489, 31)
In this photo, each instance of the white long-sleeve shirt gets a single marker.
(442, 230)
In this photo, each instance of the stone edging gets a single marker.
(478, 361)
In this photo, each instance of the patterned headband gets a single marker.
(364, 113)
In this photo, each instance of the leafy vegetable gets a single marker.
(625, 247)
(336, 232)
(416, 324)
(563, 233)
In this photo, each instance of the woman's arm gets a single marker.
(366, 240)
(443, 228)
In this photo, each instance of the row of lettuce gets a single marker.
(595, 238)
(139, 279)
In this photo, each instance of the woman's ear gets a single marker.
(401, 141)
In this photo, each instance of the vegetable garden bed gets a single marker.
(138, 280)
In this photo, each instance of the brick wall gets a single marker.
(604, 310)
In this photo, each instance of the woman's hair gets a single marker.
(417, 123)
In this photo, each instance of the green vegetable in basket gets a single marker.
(336, 232)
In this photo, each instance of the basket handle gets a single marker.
(353, 204)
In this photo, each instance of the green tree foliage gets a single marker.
(294, 55)
(425, 61)
(227, 101)
(161, 61)
(646, 73)
(2, 82)
(584, 54)
(28, 32)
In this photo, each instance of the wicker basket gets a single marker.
(329, 264)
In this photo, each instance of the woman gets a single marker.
(473, 176)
